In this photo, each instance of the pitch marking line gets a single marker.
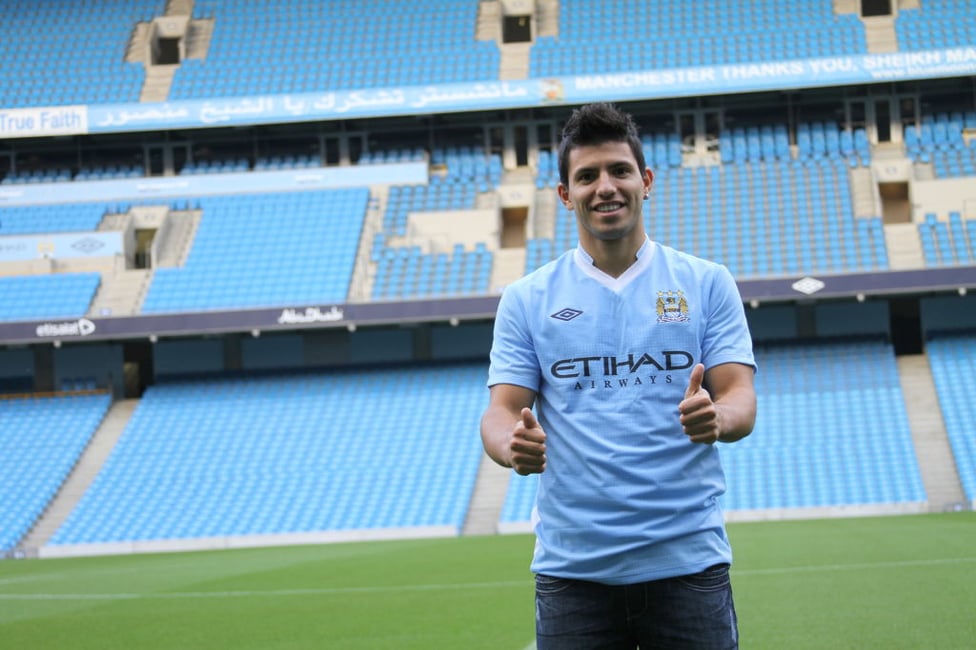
(852, 567)
(269, 592)
(444, 587)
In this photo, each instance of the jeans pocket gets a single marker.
(714, 578)
(550, 585)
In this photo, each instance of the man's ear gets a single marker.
(648, 181)
(564, 195)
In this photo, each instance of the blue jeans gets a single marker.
(692, 612)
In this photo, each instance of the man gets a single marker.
(637, 359)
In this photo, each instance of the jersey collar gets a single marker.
(584, 261)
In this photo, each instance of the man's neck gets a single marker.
(614, 257)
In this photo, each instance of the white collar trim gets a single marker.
(644, 256)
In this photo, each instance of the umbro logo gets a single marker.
(566, 314)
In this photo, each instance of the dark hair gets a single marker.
(594, 124)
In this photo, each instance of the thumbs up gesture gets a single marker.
(697, 411)
(528, 445)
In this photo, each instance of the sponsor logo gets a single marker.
(80, 327)
(87, 245)
(566, 314)
(808, 285)
(628, 371)
(613, 366)
(553, 90)
(292, 316)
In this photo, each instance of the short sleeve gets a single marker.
(513, 358)
(727, 338)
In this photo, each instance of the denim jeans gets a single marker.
(693, 612)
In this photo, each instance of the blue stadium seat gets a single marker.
(273, 454)
(41, 440)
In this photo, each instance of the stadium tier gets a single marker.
(290, 454)
(947, 22)
(308, 45)
(40, 441)
(669, 34)
(44, 297)
(265, 250)
(55, 33)
(953, 359)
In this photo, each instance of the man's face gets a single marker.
(606, 190)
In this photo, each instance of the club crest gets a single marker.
(672, 307)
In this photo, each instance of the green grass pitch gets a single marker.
(884, 582)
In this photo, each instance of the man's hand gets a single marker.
(527, 446)
(698, 414)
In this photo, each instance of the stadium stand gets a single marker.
(33, 219)
(288, 454)
(810, 447)
(265, 250)
(953, 360)
(669, 34)
(54, 33)
(946, 22)
(336, 45)
(409, 273)
(947, 242)
(48, 296)
(40, 441)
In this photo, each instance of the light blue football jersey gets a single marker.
(626, 496)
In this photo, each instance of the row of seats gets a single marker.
(436, 196)
(953, 360)
(40, 441)
(948, 23)
(289, 454)
(410, 274)
(954, 163)
(266, 250)
(370, 47)
(47, 296)
(938, 132)
(41, 219)
(948, 242)
(624, 36)
(65, 52)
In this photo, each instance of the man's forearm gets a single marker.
(737, 415)
(496, 427)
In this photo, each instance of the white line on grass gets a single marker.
(269, 592)
(29, 578)
(851, 567)
(250, 593)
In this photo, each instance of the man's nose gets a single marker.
(605, 184)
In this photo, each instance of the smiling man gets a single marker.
(637, 358)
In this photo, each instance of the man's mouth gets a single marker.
(608, 207)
